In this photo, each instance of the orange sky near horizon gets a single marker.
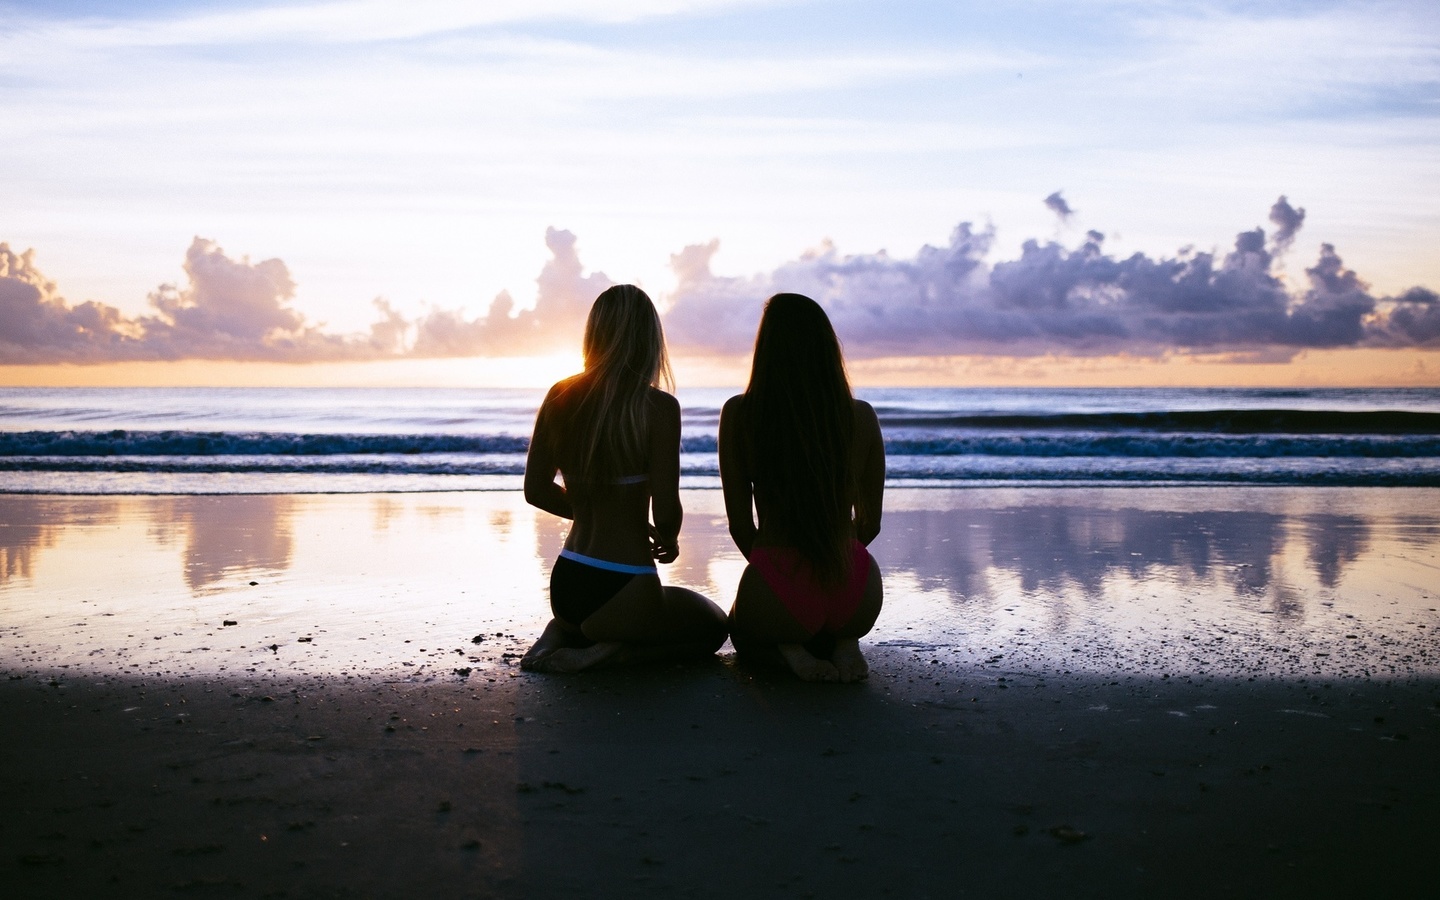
(1310, 368)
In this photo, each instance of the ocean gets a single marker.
(341, 440)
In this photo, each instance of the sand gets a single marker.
(1249, 706)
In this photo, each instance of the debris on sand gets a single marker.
(1068, 835)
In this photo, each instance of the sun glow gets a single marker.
(531, 371)
(499, 372)
(1313, 368)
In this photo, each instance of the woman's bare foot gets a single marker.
(554, 637)
(807, 667)
(849, 661)
(578, 659)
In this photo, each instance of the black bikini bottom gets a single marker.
(578, 590)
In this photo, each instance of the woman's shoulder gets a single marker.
(663, 415)
(732, 416)
(562, 389)
(867, 422)
(662, 401)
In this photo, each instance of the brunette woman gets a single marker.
(614, 438)
(807, 458)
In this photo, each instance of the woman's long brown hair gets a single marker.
(800, 418)
(625, 356)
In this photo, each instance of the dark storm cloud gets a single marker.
(948, 300)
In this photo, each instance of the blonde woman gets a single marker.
(614, 438)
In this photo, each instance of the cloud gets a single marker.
(943, 301)
(232, 309)
(37, 326)
(1054, 299)
(236, 309)
(1287, 220)
(1413, 321)
(229, 309)
(1056, 204)
(557, 321)
(351, 21)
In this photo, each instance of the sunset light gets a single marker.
(1046, 501)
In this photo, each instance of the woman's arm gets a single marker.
(734, 477)
(541, 465)
(665, 509)
(870, 475)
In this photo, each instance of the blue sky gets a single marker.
(419, 151)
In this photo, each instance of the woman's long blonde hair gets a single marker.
(624, 350)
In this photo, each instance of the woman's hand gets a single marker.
(663, 551)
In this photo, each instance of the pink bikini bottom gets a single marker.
(813, 606)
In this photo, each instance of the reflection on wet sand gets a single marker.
(226, 536)
(272, 585)
(1052, 548)
(1338, 580)
(550, 534)
(1168, 579)
(1058, 548)
(25, 530)
(1335, 542)
(30, 525)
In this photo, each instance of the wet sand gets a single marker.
(1089, 692)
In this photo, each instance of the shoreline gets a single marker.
(711, 484)
(170, 484)
(1177, 692)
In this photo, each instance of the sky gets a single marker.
(1037, 192)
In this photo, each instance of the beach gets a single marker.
(1096, 691)
(1110, 330)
